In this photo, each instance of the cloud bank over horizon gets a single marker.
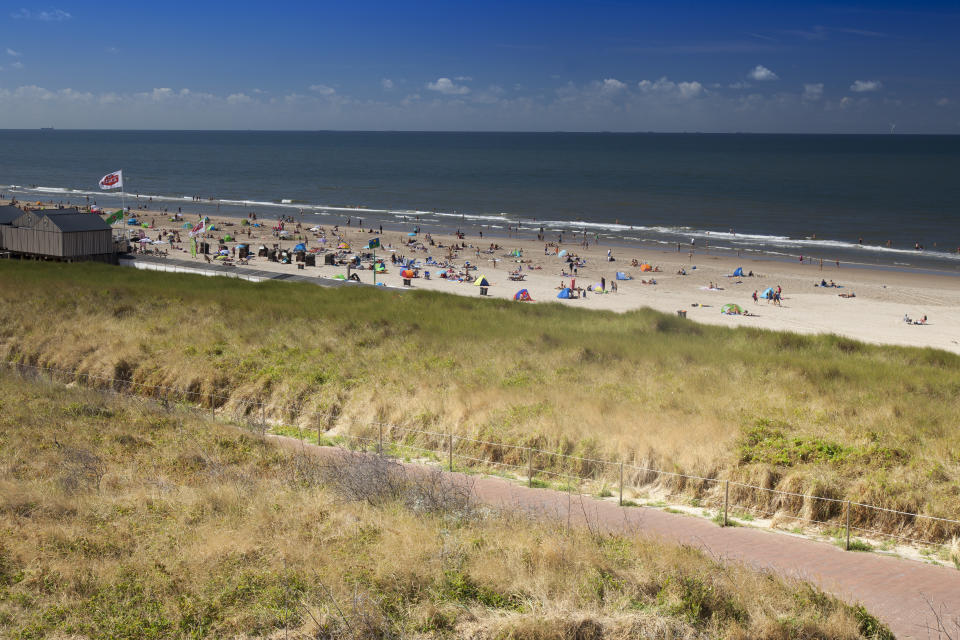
(525, 73)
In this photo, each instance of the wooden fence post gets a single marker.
(621, 483)
(726, 500)
(530, 468)
(450, 452)
(848, 526)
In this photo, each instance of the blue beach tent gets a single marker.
(300, 247)
(738, 272)
(564, 293)
(622, 276)
(767, 293)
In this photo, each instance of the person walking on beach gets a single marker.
(755, 296)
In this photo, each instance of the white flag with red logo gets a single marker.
(112, 180)
(197, 229)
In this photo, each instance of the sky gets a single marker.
(479, 66)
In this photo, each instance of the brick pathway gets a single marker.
(896, 590)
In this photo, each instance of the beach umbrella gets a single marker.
(241, 245)
(343, 245)
(731, 309)
(408, 273)
(563, 253)
(339, 276)
(481, 282)
(412, 234)
(132, 221)
(300, 247)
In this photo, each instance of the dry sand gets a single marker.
(876, 314)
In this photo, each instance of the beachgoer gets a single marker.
(755, 296)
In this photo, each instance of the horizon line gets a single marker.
(476, 131)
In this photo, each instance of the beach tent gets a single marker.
(768, 293)
(412, 234)
(408, 273)
(244, 222)
(132, 221)
(379, 268)
(597, 287)
(300, 247)
(738, 272)
(187, 225)
(228, 238)
(731, 309)
(343, 245)
(646, 267)
(622, 276)
(523, 296)
(481, 282)
(564, 293)
(212, 228)
(517, 253)
(563, 253)
(339, 276)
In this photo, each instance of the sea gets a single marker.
(880, 200)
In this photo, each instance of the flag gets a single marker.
(197, 229)
(112, 180)
(374, 244)
(193, 247)
(113, 217)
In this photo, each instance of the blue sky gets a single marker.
(584, 66)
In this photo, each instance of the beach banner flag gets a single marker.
(193, 248)
(114, 217)
(374, 244)
(112, 180)
(198, 228)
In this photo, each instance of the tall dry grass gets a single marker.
(811, 414)
(199, 530)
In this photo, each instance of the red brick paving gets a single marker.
(898, 591)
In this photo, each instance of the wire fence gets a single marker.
(732, 500)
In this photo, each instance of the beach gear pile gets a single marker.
(731, 309)
(523, 296)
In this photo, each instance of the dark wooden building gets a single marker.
(62, 234)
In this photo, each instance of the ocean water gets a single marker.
(835, 197)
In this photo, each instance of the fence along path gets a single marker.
(730, 498)
(917, 600)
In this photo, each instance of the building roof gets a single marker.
(67, 222)
(9, 213)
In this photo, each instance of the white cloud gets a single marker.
(54, 15)
(612, 85)
(239, 98)
(446, 86)
(862, 86)
(739, 85)
(682, 90)
(387, 84)
(943, 102)
(845, 102)
(761, 74)
(813, 92)
(17, 65)
(11, 52)
(112, 50)
(322, 89)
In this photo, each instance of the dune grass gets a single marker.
(821, 415)
(119, 519)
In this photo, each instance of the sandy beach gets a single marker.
(883, 297)
(868, 304)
